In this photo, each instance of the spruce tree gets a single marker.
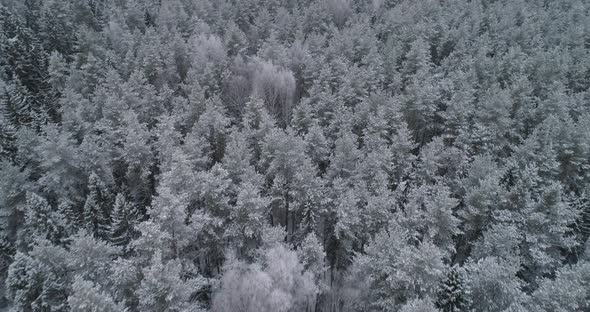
(7, 139)
(24, 283)
(73, 221)
(26, 66)
(122, 222)
(41, 222)
(452, 295)
(96, 215)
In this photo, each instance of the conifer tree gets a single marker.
(7, 138)
(164, 289)
(57, 29)
(85, 295)
(452, 295)
(121, 228)
(256, 124)
(27, 65)
(96, 215)
(24, 283)
(73, 218)
(307, 155)
(41, 221)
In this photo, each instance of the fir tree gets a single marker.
(73, 217)
(96, 215)
(41, 222)
(85, 295)
(7, 139)
(24, 282)
(121, 227)
(452, 297)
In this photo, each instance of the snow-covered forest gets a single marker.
(294, 155)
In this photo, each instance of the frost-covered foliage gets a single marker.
(302, 155)
(280, 283)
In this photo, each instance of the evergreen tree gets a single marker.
(493, 284)
(41, 221)
(89, 258)
(306, 155)
(417, 269)
(213, 126)
(96, 215)
(294, 187)
(452, 296)
(256, 124)
(419, 305)
(24, 282)
(317, 147)
(73, 221)
(7, 136)
(27, 64)
(563, 293)
(164, 289)
(57, 29)
(87, 297)
(58, 74)
(121, 228)
(345, 156)
(13, 200)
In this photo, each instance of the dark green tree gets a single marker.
(452, 295)
(96, 214)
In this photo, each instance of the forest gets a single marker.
(294, 155)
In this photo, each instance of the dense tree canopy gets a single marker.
(301, 155)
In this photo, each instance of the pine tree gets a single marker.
(57, 160)
(213, 127)
(422, 95)
(91, 210)
(89, 258)
(73, 218)
(452, 296)
(317, 147)
(493, 284)
(313, 257)
(37, 217)
(293, 183)
(40, 220)
(7, 138)
(44, 270)
(20, 107)
(308, 155)
(8, 109)
(85, 295)
(563, 293)
(429, 211)
(139, 159)
(345, 157)
(13, 198)
(58, 74)
(24, 282)
(163, 287)
(396, 270)
(256, 124)
(419, 305)
(96, 215)
(57, 28)
(238, 159)
(247, 217)
(27, 66)
(121, 228)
